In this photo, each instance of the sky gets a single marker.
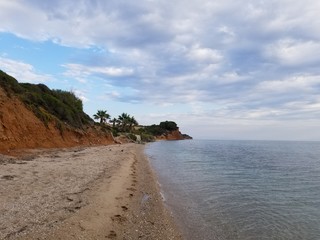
(232, 69)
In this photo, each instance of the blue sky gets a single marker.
(245, 69)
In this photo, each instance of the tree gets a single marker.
(132, 122)
(168, 125)
(123, 121)
(113, 121)
(102, 115)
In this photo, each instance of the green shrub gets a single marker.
(132, 136)
(64, 105)
(157, 130)
(9, 84)
(168, 125)
(115, 132)
(41, 114)
(147, 137)
(105, 128)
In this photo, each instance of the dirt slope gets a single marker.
(173, 135)
(20, 128)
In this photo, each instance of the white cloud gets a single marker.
(305, 84)
(249, 60)
(81, 72)
(205, 55)
(294, 52)
(81, 94)
(23, 72)
(231, 77)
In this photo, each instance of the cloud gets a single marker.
(205, 55)
(253, 58)
(79, 71)
(24, 72)
(291, 52)
(305, 84)
(81, 94)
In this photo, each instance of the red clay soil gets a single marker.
(173, 135)
(21, 129)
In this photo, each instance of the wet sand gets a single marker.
(106, 192)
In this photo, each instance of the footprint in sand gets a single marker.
(8, 177)
(124, 208)
(112, 234)
(119, 218)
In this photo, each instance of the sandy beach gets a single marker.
(105, 192)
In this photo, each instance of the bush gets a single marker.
(132, 137)
(162, 128)
(65, 106)
(168, 125)
(115, 132)
(147, 137)
(9, 84)
(155, 130)
(105, 128)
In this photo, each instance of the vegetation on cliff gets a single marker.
(162, 128)
(128, 126)
(63, 109)
(47, 105)
(168, 130)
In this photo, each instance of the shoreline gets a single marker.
(105, 192)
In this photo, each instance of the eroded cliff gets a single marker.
(20, 129)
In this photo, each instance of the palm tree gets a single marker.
(132, 122)
(102, 115)
(113, 121)
(123, 120)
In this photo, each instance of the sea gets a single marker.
(240, 190)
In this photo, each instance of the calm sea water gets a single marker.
(241, 189)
